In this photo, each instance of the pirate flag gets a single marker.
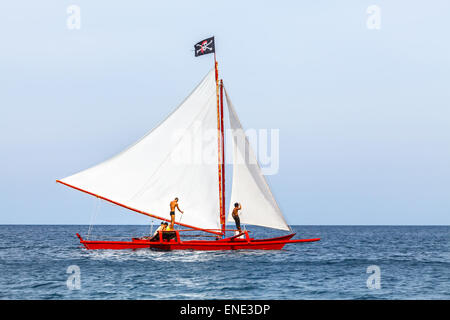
(204, 47)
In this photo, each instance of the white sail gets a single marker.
(249, 186)
(179, 158)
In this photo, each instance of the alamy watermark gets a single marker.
(199, 146)
(74, 19)
(74, 280)
(374, 280)
(373, 21)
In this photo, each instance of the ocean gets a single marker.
(350, 262)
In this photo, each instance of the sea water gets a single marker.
(350, 262)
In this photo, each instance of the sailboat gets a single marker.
(184, 157)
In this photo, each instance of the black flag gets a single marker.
(204, 47)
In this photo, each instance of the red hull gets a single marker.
(177, 244)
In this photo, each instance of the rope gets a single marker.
(179, 221)
(151, 226)
(180, 218)
(93, 217)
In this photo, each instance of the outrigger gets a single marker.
(180, 158)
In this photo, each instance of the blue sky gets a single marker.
(364, 115)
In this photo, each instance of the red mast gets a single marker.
(222, 212)
(220, 145)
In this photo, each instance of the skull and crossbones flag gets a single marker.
(204, 47)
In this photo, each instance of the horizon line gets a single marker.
(306, 225)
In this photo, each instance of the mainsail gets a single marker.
(179, 158)
(249, 186)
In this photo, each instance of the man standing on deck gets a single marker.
(235, 214)
(173, 205)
